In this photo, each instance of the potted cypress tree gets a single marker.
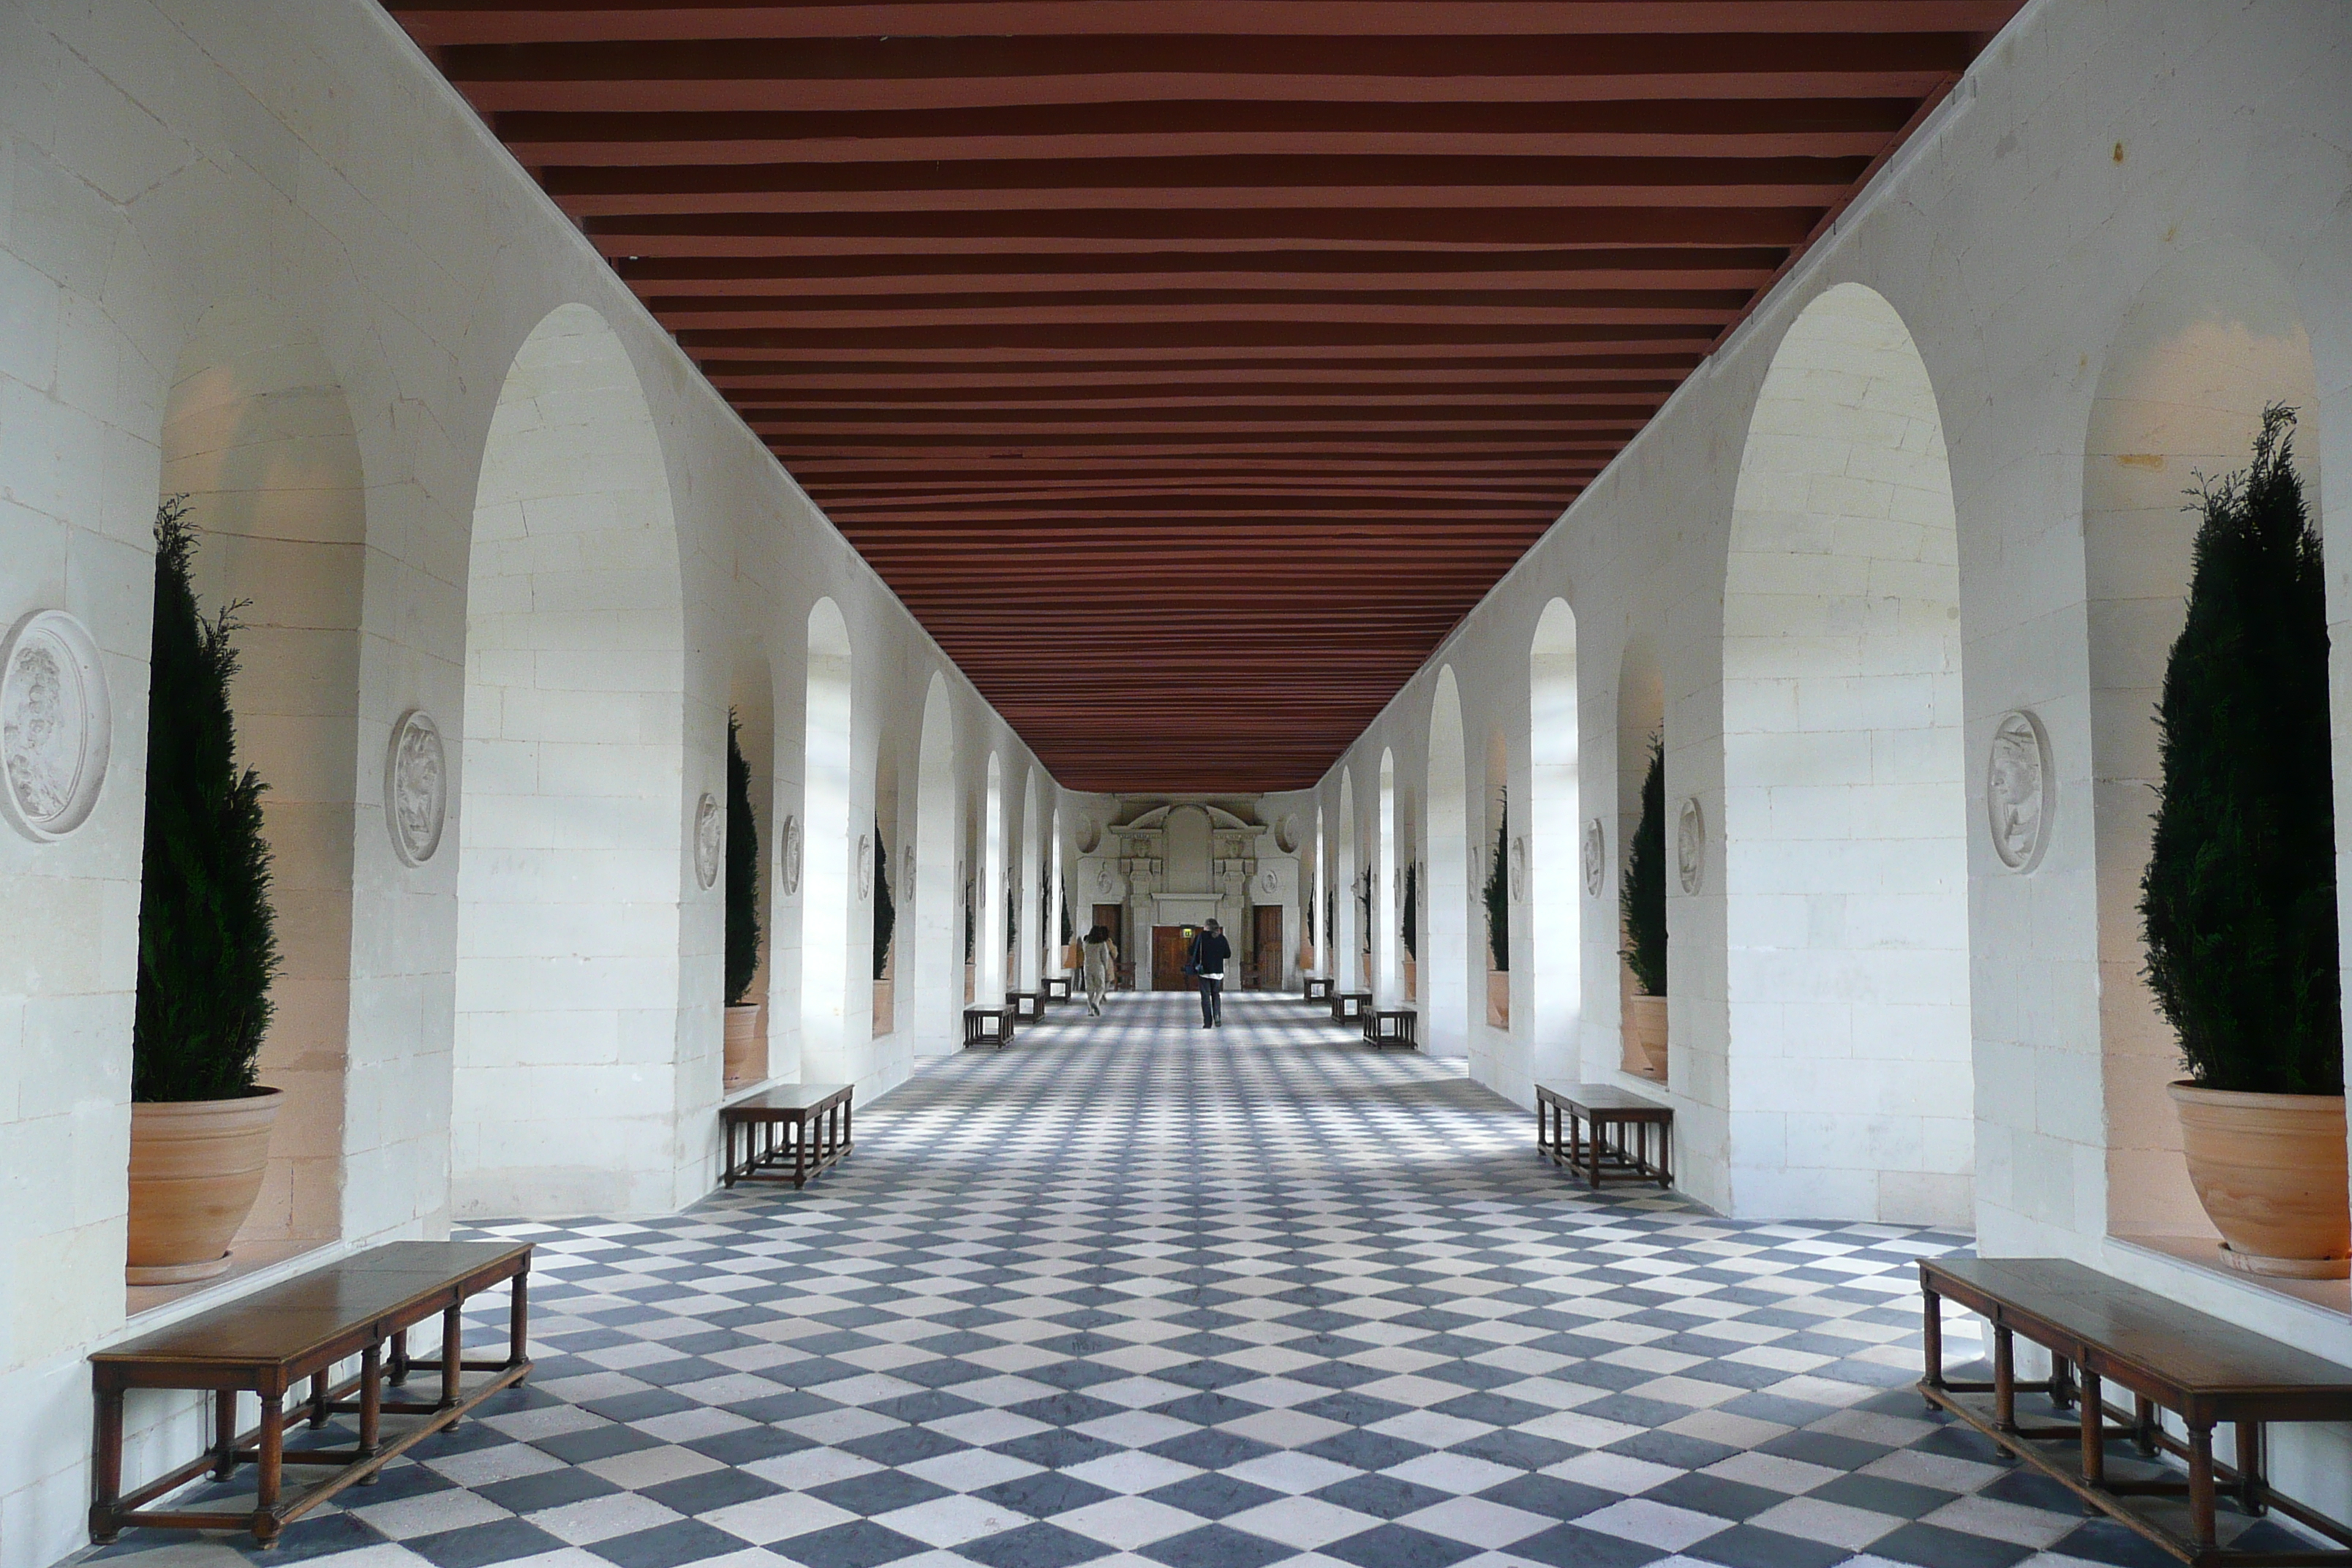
(885, 923)
(1642, 901)
(200, 1119)
(747, 1047)
(1411, 931)
(2238, 903)
(1498, 923)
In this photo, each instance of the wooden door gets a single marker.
(1169, 946)
(1111, 918)
(1266, 944)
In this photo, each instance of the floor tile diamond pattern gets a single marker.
(1136, 1293)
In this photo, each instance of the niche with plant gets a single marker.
(1411, 909)
(1497, 891)
(2238, 903)
(886, 913)
(1642, 901)
(742, 871)
(971, 920)
(207, 936)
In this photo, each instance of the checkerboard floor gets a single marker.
(1131, 1292)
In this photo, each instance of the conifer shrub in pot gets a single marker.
(746, 1052)
(2238, 903)
(886, 925)
(1497, 896)
(199, 1120)
(1642, 904)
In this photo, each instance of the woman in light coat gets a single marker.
(1098, 960)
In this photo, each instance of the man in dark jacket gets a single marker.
(1206, 961)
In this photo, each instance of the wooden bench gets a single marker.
(1318, 990)
(1057, 988)
(1348, 1006)
(1588, 1130)
(814, 1122)
(1027, 1005)
(987, 1026)
(267, 1343)
(2100, 1331)
(1387, 1026)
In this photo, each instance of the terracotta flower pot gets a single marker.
(747, 1046)
(196, 1170)
(885, 1009)
(1411, 979)
(1499, 998)
(1644, 1032)
(2270, 1170)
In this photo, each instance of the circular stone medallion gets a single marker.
(415, 787)
(792, 855)
(1596, 857)
(57, 725)
(709, 839)
(2018, 790)
(1518, 870)
(1690, 844)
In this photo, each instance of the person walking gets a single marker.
(1206, 961)
(1098, 960)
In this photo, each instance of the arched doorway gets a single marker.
(827, 837)
(934, 983)
(1844, 853)
(1554, 878)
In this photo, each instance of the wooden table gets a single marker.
(1588, 1127)
(1318, 990)
(1387, 1026)
(267, 1343)
(987, 1026)
(814, 1120)
(1348, 1006)
(2203, 1369)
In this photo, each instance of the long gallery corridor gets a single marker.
(1212, 1300)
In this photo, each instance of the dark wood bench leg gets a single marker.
(224, 1434)
(2062, 1381)
(453, 1352)
(371, 1405)
(2144, 1426)
(271, 1462)
(399, 1373)
(519, 1321)
(1931, 1341)
(2004, 1379)
(317, 1400)
(2253, 1490)
(107, 1461)
(2093, 1403)
(2200, 1486)
(800, 1153)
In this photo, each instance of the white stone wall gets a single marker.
(2094, 147)
(190, 191)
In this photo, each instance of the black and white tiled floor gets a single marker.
(1133, 1293)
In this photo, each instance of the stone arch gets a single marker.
(829, 833)
(2209, 340)
(990, 892)
(1032, 941)
(574, 831)
(1385, 906)
(1554, 885)
(1849, 1083)
(752, 700)
(1318, 916)
(259, 436)
(933, 984)
(1446, 942)
(1347, 937)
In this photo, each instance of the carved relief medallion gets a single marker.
(2018, 791)
(906, 879)
(1105, 883)
(415, 787)
(1596, 857)
(865, 865)
(1519, 870)
(1285, 834)
(57, 725)
(1089, 834)
(1269, 881)
(710, 840)
(792, 855)
(1690, 844)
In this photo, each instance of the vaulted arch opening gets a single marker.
(829, 834)
(1445, 945)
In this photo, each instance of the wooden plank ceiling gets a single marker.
(1190, 367)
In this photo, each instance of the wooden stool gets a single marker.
(816, 1118)
(1318, 990)
(987, 1026)
(1057, 988)
(1348, 1006)
(1387, 1026)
